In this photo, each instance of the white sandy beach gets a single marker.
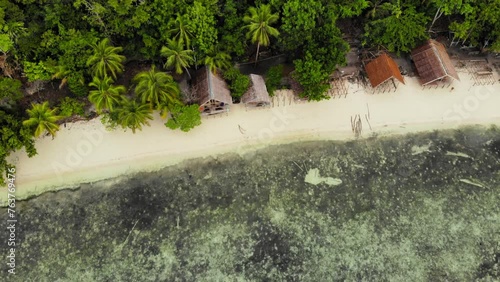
(86, 152)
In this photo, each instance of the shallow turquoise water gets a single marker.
(409, 208)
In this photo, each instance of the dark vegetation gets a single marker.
(50, 50)
(238, 82)
(273, 78)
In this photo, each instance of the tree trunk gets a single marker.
(188, 73)
(486, 42)
(257, 54)
(195, 59)
(468, 34)
(438, 14)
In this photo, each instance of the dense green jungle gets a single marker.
(418, 207)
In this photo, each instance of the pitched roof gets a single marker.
(257, 93)
(210, 86)
(432, 62)
(381, 69)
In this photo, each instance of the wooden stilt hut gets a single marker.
(212, 93)
(433, 63)
(383, 70)
(256, 95)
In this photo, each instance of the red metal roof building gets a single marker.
(382, 69)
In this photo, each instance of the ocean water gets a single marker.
(420, 207)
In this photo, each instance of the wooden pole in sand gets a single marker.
(366, 117)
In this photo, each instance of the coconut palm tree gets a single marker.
(155, 87)
(217, 60)
(62, 73)
(259, 26)
(106, 59)
(182, 30)
(177, 56)
(133, 115)
(42, 119)
(106, 95)
(164, 109)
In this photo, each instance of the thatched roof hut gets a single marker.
(212, 92)
(433, 63)
(257, 94)
(382, 69)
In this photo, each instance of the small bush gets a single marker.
(70, 107)
(76, 84)
(313, 77)
(110, 120)
(184, 117)
(10, 88)
(273, 79)
(238, 82)
(36, 71)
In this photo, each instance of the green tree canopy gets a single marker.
(445, 7)
(311, 74)
(311, 32)
(106, 59)
(156, 88)
(480, 24)
(10, 89)
(37, 71)
(105, 96)
(182, 31)
(273, 78)
(299, 22)
(177, 57)
(67, 53)
(259, 27)
(232, 36)
(70, 106)
(62, 73)
(399, 28)
(76, 83)
(14, 136)
(115, 18)
(41, 119)
(183, 117)
(348, 9)
(217, 60)
(69, 48)
(133, 115)
(6, 43)
(238, 82)
(201, 16)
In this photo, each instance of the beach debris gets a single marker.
(356, 125)
(242, 130)
(474, 183)
(458, 154)
(298, 165)
(417, 150)
(366, 117)
(120, 247)
(358, 166)
(313, 177)
(208, 176)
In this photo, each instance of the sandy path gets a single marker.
(86, 152)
